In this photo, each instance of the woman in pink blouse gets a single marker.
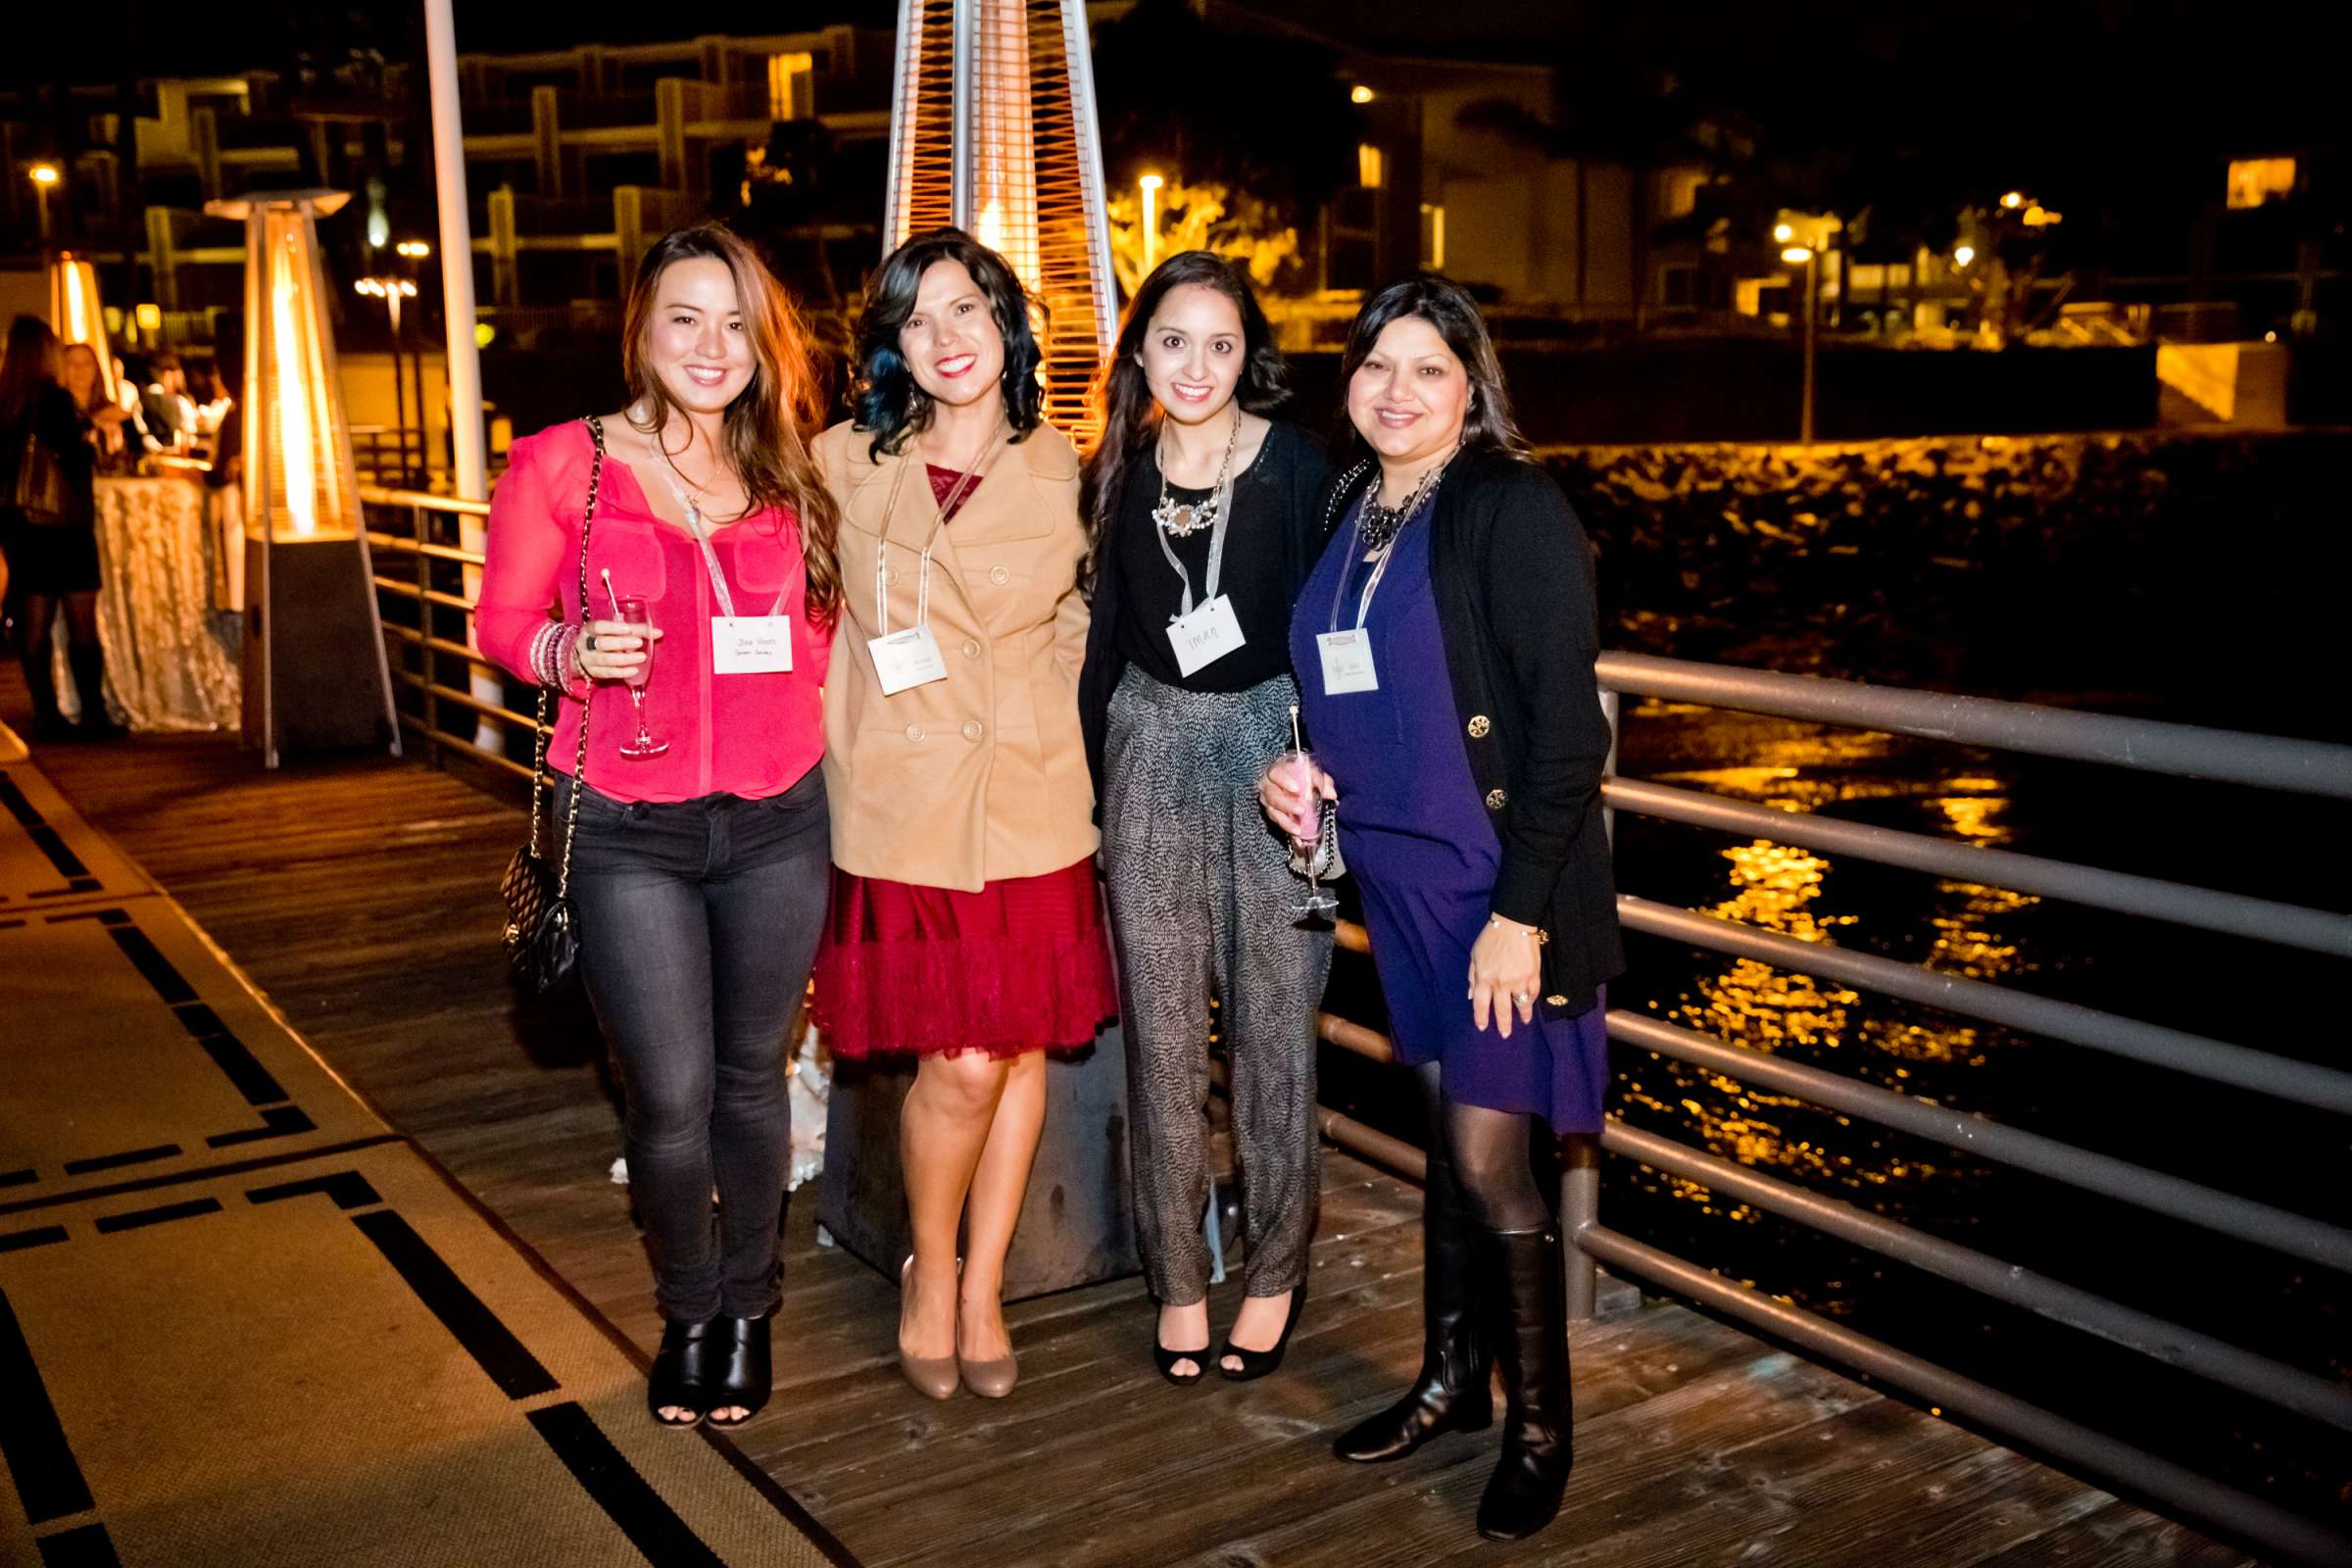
(702, 852)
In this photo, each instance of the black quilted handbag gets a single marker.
(542, 939)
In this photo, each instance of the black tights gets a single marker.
(1478, 1161)
(38, 613)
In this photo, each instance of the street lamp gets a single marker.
(44, 175)
(392, 290)
(1963, 255)
(1804, 254)
(1149, 185)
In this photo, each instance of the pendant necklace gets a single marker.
(1380, 525)
(1180, 519)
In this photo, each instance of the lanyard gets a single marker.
(1380, 566)
(1216, 551)
(718, 578)
(939, 521)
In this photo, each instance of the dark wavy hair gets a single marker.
(884, 397)
(1488, 426)
(28, 367)
(766, 429)
(1123, 397)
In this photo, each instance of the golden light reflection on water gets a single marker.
(1781, 888)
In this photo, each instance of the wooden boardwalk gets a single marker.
(360, 896)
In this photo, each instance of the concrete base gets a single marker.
(1075, 1226)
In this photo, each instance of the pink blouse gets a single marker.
(749, 735)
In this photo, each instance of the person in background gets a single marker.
(103, 421)
(1204, 520)
(966, 926)
(1446, 648)
(163, 401)
(699, 868)
(49, 529)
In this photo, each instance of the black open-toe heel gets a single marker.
(741, 1373)
(1258, 1364)
(1166, 1360)
(681, 1374)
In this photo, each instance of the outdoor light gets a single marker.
(1797, 254)
(1361, 95)
(75, 315)
(1783, 232)
(2014, 199)
(1964, 255)
(314, 667)
(415, 250)
(43, 174)
(992, 130)
(148, 315)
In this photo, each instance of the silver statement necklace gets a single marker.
(1180, 519)
(1380, 525)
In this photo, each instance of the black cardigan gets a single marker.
(1512, 575)
(1104, 665)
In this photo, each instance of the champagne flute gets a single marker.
(630, 607)
(1320, 901)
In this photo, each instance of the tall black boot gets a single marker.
(88, 662)
(1537, 1448)
(48, 724)
(1453, 1392)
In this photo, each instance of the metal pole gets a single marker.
(471, 475)
(1804, 421)
(1580, 1207)
(400, 390)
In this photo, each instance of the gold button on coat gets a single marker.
(1479, 725)
(972, 730)
(1555, 1000)
(1495, 800)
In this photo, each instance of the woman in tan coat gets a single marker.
(966, 925)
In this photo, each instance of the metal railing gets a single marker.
(425, 530)
(2301, 766)
(415, 541)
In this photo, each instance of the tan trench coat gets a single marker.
(980, 777)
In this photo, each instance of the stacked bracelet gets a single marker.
(551, 653)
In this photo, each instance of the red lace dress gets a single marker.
(1020, 965)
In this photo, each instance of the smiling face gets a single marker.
(696, 341)
(1411, 395)
(951, 339)
(80, 373)
(1192, 353)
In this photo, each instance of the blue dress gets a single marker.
(1419, 842)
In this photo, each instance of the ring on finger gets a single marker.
(589, 642)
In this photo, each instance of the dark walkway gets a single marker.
(360, 896)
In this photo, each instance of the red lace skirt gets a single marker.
(1020, 965)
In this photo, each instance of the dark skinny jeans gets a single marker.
(698, 921)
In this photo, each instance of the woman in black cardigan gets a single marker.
(1444, 648)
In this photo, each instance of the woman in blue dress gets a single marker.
(1444, 648)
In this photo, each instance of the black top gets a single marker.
(1512, 575)
(1270, 547)
(52, 417)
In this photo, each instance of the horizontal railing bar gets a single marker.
(382, 496)
(2262, 919)
(458, 743)
(403, 545)
(1348, 1035)
(2234, 757)
(408, 590)
(2216, 1360)
(2264, 1523)
(1373, 1143)
(2215, 1060)
(466, 699)
(2239, 1217)
(1351, 937)
(439, 645)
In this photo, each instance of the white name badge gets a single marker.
(1206, 635)
(1347, 662)
(909, 657)
(750, 645)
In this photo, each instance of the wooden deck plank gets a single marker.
(361, 896)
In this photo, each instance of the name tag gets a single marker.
(1206, 635)
(750, 645)
(909, 657)
(1347, 662)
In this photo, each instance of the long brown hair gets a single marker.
(29, 364)
(766, 428)
(1488, 424)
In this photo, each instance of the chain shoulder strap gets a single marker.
(579, 762)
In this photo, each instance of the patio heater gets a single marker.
(993, 129)
(316, 676)
(75, 316)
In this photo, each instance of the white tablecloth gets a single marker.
(171, 660)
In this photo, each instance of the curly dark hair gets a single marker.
(884, 397)
(1123, 397)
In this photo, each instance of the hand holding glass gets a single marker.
(641, 746)
(1308, 825)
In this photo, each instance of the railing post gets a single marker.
(1609, 711)
(428, 657)
(1580, 1207)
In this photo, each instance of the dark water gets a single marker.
(2249, 840)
